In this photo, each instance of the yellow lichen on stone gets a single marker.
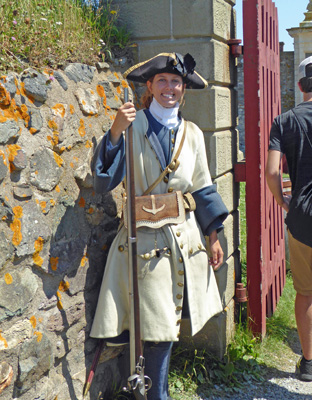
(2, 339)
(54, 262)
(82, 128)
(63, 286)
(83, 261)
(12, 150)
(100, 90)
(43, 205)
(59, 109)
(8, 279)
(38, 245)
(33, 321)
(23, 93)
(59, 161)
(5, 97)
(16, 225)
(39, 336)
(53, 125)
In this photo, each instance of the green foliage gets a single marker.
(51, 33)
(247, 360)
(194, 370)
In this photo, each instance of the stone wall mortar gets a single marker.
(55, 231)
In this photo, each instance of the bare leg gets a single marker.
(303, 312)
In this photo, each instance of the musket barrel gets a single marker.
(141, 383)
(135, 341)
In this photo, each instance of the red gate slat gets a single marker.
(265, 235)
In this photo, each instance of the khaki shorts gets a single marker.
(300, 265)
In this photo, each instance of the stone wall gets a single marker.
(202, 28)
(54, 230)
(287, 79)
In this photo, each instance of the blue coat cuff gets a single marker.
(108, 165)
(210, 210)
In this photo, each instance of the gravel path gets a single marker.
(281, 383)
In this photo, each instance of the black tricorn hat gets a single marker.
(173, 63)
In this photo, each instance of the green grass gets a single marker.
(248, 360)
(281, 328)
(53, 33)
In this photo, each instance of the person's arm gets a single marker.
(273, 178)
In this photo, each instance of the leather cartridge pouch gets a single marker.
(157, 210)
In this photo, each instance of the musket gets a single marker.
(138, 383)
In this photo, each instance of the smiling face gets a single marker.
(167, 89)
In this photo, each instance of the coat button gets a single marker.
(172, 165)
(147, 256)
(180, 284)
(170, 190)
(180, 260)
(181, 246)
(178, 233)
(181, 272)
(200, 246)
(191, 251)
(179, 296)
(179, 308)
(121, 248)
(172, 140)
(166, 180)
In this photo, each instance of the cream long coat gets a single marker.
(161, 280)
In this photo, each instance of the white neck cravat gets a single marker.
(166, 116)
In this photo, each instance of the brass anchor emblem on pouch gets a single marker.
(153, 210)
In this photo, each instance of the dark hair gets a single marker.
(306, 82)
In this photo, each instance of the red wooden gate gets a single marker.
(265, 223)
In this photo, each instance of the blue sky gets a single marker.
(290, 14)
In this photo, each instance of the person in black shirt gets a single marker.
(291, 134)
